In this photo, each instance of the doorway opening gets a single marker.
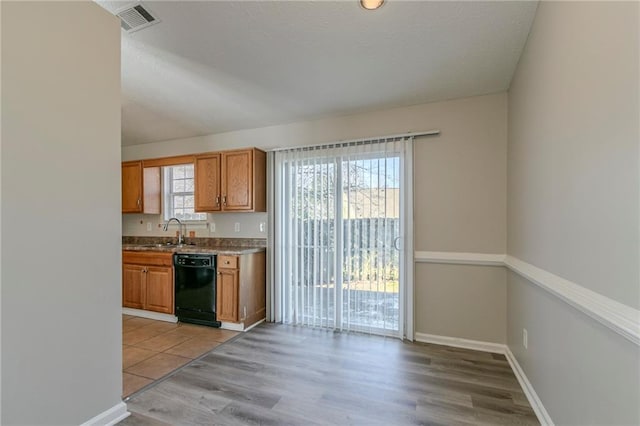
(340, 220)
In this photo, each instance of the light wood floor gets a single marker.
(284, 375)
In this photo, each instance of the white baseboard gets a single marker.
(149, 314)
(460, 343)
(254, 324)
(110, 417)
(232, 326)
(527, 388)
(172, 318)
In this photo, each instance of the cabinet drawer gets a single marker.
(227, 262)
(147, 258)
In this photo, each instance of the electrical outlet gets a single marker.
(262, 226)
(525, 338)
(237, 227)
(149, 226)
(212, 227)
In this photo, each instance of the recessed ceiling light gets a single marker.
(371, 4)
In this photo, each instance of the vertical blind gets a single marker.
(340, 213)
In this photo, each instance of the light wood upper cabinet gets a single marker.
(208, 197)
(237, 180)
(132, 187)
(140, 188)
(231, 181)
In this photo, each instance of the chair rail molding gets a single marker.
(618, 317)
(621, 318)
(459, 258)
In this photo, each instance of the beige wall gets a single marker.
(573, 147)
(573, 205)
(463, 301)
(378, 123)
(461, 178)
(61, 315)
(460, 197)
(583, 372)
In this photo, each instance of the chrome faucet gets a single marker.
(180, 234)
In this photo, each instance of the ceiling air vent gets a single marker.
(135, 17)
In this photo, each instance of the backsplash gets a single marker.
(218, 225)
(202, 242)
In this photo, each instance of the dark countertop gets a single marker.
(194, 249)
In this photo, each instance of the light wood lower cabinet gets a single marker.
(147, 281)
(132, 286)
(159, 291)
(228, 286)
(241, 288)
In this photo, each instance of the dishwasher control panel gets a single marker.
(198, 260)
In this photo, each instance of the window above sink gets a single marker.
(179, 194)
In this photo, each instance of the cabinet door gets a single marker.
(159, 294)
(237, 180)
(132, 187)
(207, 183)
(151, 190)
(133, 286)
(227, 295)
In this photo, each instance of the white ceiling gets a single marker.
(212, 67)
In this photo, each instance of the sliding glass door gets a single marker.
(339, 222)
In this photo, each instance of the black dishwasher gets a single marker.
(195, 282)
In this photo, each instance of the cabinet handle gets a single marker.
(139, 202)
(218, 200)
(224, 200)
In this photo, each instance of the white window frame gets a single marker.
(168, 195)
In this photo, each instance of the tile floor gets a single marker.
(152, 349)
